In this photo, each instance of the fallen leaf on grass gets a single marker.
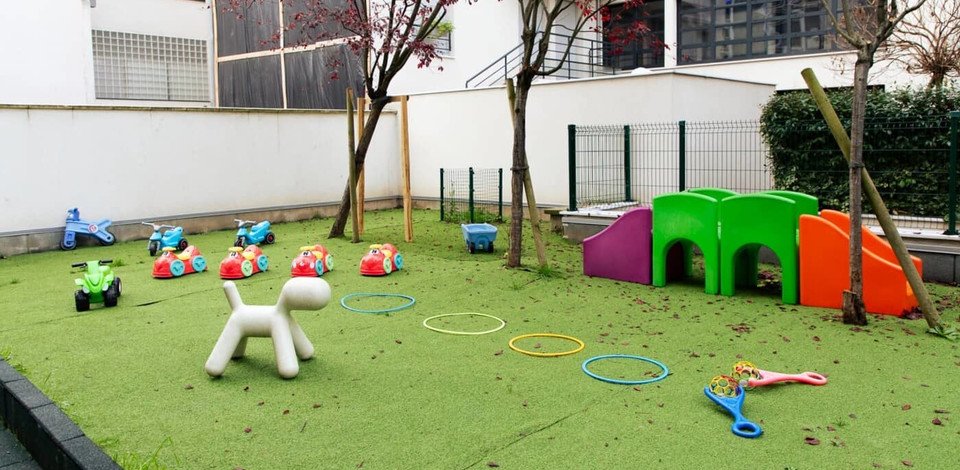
(188, 387)
(905, 407)
(246, 388)
(816, 338)
(906, 463)
(811, 440)
(317, 405)
(492, 464)
(498, 353)
(286, 412)
(937, 422)
(247, 429)
(260, 403)
(398, 341)
(940, 411)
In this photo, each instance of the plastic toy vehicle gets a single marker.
(258, 232)
(77, 226)
(98, 285)
(312, 261)
(242, 263)
(171, 238)
(170, 264)
(381, 260)
(479, 237)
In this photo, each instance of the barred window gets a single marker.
(132, 66)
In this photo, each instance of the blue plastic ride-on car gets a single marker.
(171, 238)
(479, 237)
(77, 226)
(258, 232)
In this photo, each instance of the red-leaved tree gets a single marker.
(541, 20)
(383, 34)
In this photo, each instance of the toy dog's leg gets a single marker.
(228, 343)
(300, 342)
(287, 364)
(241, 348)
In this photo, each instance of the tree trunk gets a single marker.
(366, 137)
(518, 171)
(528, 188)
(352, 167)
(853, 309)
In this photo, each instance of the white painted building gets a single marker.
(106, 52)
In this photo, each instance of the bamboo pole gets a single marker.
(361, 179)
(352, 166)
(405, 171)
(930, 313)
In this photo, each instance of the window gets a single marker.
(646, 51)
(131, 66)
(718, 30)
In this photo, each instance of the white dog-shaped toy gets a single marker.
(274, 321)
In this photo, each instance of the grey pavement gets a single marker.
(12, 455)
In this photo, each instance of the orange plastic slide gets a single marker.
(871, 241)
(825, 267)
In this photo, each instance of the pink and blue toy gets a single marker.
(726, 392)
(171, 238)
(259, 232)
(749, 376)
(77, 226)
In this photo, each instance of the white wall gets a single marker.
(45, 52)
(152, 163)
(472, 127)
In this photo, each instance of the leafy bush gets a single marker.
(906, 147)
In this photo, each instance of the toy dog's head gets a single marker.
(304, 293)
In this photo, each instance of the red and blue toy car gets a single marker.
(170, 264)
(381, 260)
(312, 261)
(241, 263)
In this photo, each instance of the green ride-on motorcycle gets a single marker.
(98, 285)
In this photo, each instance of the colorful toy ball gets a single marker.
(170, 264)
(381, 260)
(241, 262)
(312, 261)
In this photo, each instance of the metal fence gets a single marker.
(612, 165)
(471, 195)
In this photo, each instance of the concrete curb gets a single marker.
(45, 431)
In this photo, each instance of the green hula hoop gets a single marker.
(343, 302)
(464, 333)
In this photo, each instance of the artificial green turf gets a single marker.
(385, 392)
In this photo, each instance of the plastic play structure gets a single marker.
(269, 321)
(77, 226)
(172, 238)
(98, 285)
(652, 246)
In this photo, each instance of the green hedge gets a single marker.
(906, 147)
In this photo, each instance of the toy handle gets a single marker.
(78, 265)
(745, 428)
(810, 378)
(105, 261)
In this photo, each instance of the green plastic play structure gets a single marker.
(730, 229)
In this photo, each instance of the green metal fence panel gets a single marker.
(471, 195)
(572, 165)
(952, 202)
(682, 156)
(627, 196)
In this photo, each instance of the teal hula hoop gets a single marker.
(658, 378)
(343, 302)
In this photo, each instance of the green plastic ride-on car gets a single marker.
(98, 285)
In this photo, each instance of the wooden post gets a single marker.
(405, 171)
(361, 179)
(352, 166)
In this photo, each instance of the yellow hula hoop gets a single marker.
(547, 335)
(464, 333)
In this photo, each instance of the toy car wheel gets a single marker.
(387, 266)
(105, 242)
(318, 268)
(246, 268)
(110, 296)
(183, 244)
(68, 246)
(471, 247)
(118, 285)
(82, 300)
(490, 247)
(328, 262)
(241, 241)
(270, 238)
(153, 247)
(262, 262)
(199, 264)
(177, 268)
(398, 261)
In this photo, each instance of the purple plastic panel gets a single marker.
(622, 251)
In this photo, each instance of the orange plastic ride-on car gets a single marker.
(312, 261)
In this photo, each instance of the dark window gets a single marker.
(647, 51)
(718, 30)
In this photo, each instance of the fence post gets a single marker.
(626, 164)
(682, 126)
(952, 204)
(471, 195)
(441, 194)
(500, 194)
(572, 164)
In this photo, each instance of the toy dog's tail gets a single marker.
(233, 295)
